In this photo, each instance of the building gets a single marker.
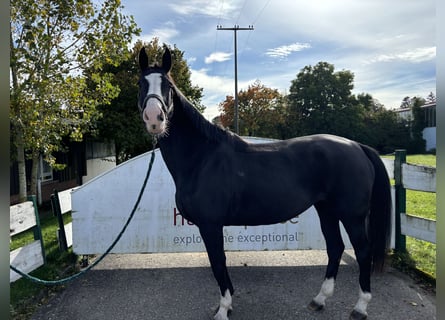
(83, 161)
(429, 132)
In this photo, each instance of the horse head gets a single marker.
(155, 97)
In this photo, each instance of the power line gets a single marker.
(256, 19)
(260, 12)
(235, 29)
(241, 10)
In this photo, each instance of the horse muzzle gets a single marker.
(154, 117)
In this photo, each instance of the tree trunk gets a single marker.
(34, 174)
(21, 166)
(19, 138)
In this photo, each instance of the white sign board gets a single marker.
(101, 208)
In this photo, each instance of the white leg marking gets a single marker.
(225, 304)
(327, 290)
(362, 303)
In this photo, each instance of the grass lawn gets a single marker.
(421, 254)
(26, 296)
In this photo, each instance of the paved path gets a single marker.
(268, 285)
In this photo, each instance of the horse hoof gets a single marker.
(355, 315)
(219, 316)
(314, 306)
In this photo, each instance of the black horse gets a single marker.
(222, 180)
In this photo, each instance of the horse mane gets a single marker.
(209, 130)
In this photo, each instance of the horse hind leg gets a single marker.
(334, 243)
(214, 242)
(357, 234)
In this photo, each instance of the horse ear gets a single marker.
(167, 60)
(143, 59)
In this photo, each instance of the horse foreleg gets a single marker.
(214, 242)
(326, 291)
(225, 305)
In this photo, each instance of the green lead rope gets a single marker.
(77, 275)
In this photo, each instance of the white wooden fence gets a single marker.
(413, 177)
(23, 217)
(61, 204)
(419, 178)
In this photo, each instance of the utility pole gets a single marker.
(235, 29)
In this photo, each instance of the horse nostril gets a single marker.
(153, 127)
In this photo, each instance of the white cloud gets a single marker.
(203, 7)
(217, 57)
(284, 51)
(191, 60)
(212, 85)
(215, 89)
(289, 35)
(415, 55)
(165, 34)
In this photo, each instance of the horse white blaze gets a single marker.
(153, 115)
(363, 301)
(154, 83)
(327, 290)
(225, 304)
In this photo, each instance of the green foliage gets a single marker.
(261, 111)
(417, 144)
(53, 44)
(320, 101)
(385, 132)
(317, 96)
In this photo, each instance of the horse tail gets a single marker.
(379, 223)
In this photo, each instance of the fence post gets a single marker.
(37, 228)
(61, 235)
(400, 201)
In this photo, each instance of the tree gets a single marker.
(320, 101)
(431, 98)
(385, 132)
(260, 111)
(52, 44)
(406, 103)
(121, 121)
(417, 143)
(318, 98)
(368, 102)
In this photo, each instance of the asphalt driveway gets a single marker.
(268, 285)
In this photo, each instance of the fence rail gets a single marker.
(419, 178)
(22, 217)
(413, 177)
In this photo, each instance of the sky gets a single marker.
(389, 46)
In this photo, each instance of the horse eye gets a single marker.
(161, 117)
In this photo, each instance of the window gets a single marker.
(46, 172)
(430, 116)
(98, 150)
